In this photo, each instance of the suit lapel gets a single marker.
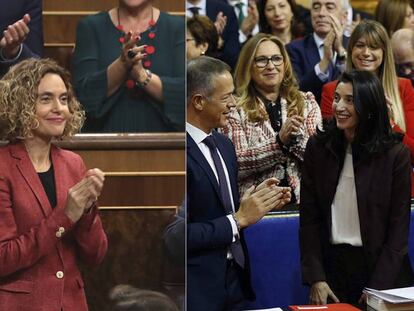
(194, 152)
(27, 170)
(313, 55)
(60, 181)
(228, 159)
(211, 10)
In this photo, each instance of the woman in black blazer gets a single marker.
(355, 198)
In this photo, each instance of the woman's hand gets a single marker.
(84, 194)
(319, 293)
(128, 47)
(290, 128)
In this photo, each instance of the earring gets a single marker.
(203, 53)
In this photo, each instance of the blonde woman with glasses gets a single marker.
(273, 119)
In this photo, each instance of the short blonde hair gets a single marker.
(244, 84)
(19, 94)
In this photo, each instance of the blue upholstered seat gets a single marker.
(274, 254)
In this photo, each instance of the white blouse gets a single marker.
(345, 218)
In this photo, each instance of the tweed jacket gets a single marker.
(40, 247)
(260, 156)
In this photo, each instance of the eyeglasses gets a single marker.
(263, 61)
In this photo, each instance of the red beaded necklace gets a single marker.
(149, 49)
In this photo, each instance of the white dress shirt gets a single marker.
(198, 136)
(201, 5)
(242, 36)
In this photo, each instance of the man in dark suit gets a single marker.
(226, 23)
(320, 57)
(21, 32)
(218, 275)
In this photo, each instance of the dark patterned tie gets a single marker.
(236, 247)
(195, 10)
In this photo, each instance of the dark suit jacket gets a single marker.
(11, 12)
(383, 195)
(209, 232)
(174, 237)
(32, 253)
(231, 48)
(304, 56)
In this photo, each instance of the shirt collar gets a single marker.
(202, 5)
(318, 40)
(196, 134)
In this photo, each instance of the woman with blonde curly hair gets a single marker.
(273, 119)
(48, 215)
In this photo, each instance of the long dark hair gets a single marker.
(373, 133)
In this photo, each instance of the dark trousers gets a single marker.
(235, 296)
(347, 272)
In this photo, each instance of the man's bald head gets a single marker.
(402, 42)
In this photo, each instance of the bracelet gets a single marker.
(285, 149)
(146, 81)
(237, 222)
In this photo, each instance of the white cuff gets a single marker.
(233, 227)
(321, 75)
(9, 60)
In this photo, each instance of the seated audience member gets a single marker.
(226, 24)
(394, 15)
(353, 17)
(402, 42)
(49, 220)
(21, 32)
(218, 269)
(129, 67)
(280, 18)
(128, 298)
(247, 17)
(201, 37)
(174, 237)
(273, 119)
(320, 57)
(370, 49)
(355, 198)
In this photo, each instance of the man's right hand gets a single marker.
(319, 293)
(328, 50)
(256, 203)
(14, 36)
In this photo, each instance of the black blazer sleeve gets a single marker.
(310, 221)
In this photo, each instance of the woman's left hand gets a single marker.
(96, 178)
(290, 128)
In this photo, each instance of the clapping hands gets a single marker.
(14, 36)
(84, 194)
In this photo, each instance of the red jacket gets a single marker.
(38, 265)
(407, 98)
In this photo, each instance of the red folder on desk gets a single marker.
(328, 307)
